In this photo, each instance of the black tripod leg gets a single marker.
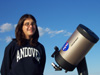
(82, 67)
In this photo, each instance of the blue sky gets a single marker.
(56, 20)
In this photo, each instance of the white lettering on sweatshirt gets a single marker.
(28, 52)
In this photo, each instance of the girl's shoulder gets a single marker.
(12, 43)
(39, 44)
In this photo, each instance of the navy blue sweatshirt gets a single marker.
(23, 60)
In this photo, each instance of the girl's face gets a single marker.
(29, 28)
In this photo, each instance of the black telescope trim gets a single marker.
(63, 63)
(87, 33)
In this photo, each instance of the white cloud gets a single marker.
(41, 31)
(6, 27)
(8, 39)
(52, 33)
(15, 25)
(68, 34)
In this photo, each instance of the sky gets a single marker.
(56, 20)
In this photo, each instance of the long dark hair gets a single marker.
(20, 36)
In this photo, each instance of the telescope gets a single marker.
(72, 54)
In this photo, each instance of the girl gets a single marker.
(24, 55)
